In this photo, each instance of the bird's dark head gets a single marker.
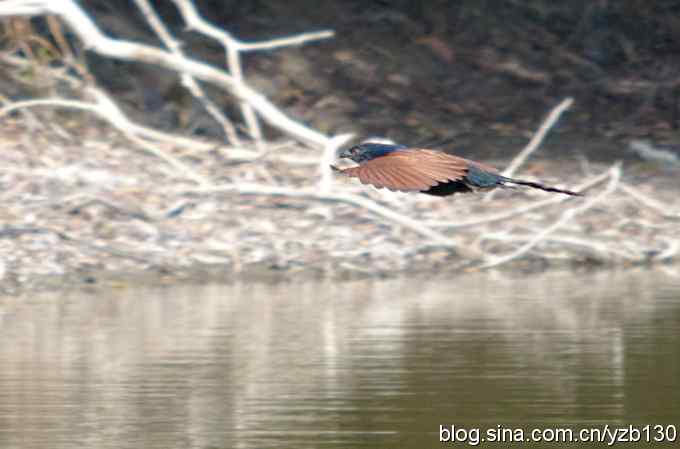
(368, 150)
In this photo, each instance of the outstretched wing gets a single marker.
(410, 170)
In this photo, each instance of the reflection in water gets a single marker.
(323, 364)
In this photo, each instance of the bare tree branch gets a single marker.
(588, 184)
(568, 215)
(326, 179)
(234, 47)
(535, 141)
(347, 198)
(605, 249)
(649, 202)
(106, 109)
(187, 80)
(194, 21)
(71, 13)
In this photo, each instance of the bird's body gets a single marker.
(400, 168)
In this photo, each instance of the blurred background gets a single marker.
(477, 74)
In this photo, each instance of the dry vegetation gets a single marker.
(83, 196)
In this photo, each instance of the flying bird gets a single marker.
(406, 169)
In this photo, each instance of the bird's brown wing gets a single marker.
(410, 170)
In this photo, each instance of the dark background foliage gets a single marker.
(475, 75)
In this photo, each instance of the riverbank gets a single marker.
(79, 204)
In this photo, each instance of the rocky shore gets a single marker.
(81, 205)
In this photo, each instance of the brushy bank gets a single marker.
(100, 179)
(81, 202)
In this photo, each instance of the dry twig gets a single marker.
(604, 248)
(588, 184)
(234, 47)
(568, 215)
(81, 24)
(649, 202)
(187, 80)
(347, 198)
(105, 108)
(535, 141)
(326, 179)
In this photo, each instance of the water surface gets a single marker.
(371, 363)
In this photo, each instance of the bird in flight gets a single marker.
(405, 169)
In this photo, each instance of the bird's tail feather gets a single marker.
(538, 185)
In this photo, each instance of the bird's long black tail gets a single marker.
(538, 185)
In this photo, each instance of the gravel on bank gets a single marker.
(82, 203)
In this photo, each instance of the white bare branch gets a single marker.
(588, 184)
(649, 202)
(535, 141)
(71, 13)
(605, 249)
(286, 41)
(233, 48)
(187, 80)
(568, 215)
(194, 21)
(339, 197)
(326, 179)
(106, 109)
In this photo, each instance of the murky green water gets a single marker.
(339, 365)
